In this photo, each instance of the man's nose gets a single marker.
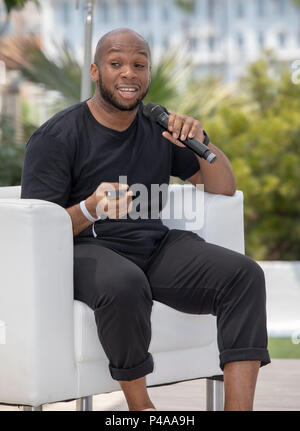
(128, 71)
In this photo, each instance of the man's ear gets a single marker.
(94, 72)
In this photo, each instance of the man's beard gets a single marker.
(112, 100)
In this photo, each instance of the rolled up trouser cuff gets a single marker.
(246, 354)
(136, 372)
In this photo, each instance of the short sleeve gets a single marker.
(46, 172)
(184, 162)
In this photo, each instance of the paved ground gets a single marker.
(278, 388)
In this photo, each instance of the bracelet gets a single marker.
(86, 213)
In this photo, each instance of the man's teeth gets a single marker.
(127, 89)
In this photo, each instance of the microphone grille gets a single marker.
(153, 111)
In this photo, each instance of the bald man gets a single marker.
(84, 154)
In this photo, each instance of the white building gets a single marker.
(221, 35)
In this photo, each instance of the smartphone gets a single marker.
(115, 194)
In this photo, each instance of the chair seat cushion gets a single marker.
(172, 330)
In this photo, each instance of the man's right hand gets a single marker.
(111, 208)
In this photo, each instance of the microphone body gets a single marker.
(158, 114)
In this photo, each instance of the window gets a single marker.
(149, 39)
(260, 8)
(165, 13)
(240, 41)
(166, 43)
(103, 11)
(193, 43)
(261, 39)
(65, 12)
(240, 11)
(211, 41)
(124, 9)
(280, 7)
(62, 13)
(144, 5)
(281, 39)
(211, 9)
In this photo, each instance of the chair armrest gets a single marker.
(36, 302)
(217, 218)
(224, 221)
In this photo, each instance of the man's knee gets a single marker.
(245, 277)
(254, 270)
(126, 288)
(251, 277)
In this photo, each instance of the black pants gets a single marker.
(185, 273)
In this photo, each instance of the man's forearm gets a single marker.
(79, 221)
(217, 177)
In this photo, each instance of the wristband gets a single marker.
(86, 213)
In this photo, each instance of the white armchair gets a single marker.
(49, 347)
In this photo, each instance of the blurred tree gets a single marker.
(16, 4)
(13, 5)
(62, 75)
(263, 145)
(187, 6)
(11, 155)
(11, 162)
(296, 2)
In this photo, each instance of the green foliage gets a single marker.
(187, 6)
(16, 4)
(283, 348)
(263, 146)
(11, 162)
(296, 2)
(11, 152)
(6, 130)
(11, 155)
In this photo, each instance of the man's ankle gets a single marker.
(140, 407)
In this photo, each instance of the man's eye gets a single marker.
(140, 66)
(115, 64)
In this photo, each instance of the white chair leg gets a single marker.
(33, 409)
(84, 404)
(214, 394)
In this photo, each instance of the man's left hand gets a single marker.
(183, 127)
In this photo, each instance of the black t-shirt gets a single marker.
(72, 153)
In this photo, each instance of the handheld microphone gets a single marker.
(158, 114)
